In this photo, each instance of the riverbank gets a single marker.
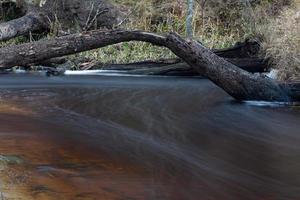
(216, 25)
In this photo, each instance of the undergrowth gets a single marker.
(169, 16)
(216, 24)
(283, 42)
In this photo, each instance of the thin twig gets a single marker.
(90, 13)
(89, 22)
(126, 17)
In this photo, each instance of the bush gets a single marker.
(217, 24)
(283, 42)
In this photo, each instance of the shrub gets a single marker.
(283, 42)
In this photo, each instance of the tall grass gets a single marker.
(158, 16)
(217, 24)
(283, 42)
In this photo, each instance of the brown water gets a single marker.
(95, 137)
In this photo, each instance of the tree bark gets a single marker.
(247, 49)
(294, 90)
(236, 82)
(245, 55)
(65, 15)
(179, 67)
(40, 51)
(31, 22)
(28, 53)
(189, 18)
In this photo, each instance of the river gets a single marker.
(103, 137)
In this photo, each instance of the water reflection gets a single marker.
(143, 138)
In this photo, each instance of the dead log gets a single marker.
(61, 16)
(35, 52)
(236, 82)
(249, 48)
(178, 67)
(253, 64)
(245, 55)
(40, 51)
(31, 22)
(52, 62)
(294, 90)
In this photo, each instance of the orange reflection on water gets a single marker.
(55, 166)
(10, 108)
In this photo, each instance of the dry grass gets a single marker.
(170, 16)
(217, 24)
(283, 42)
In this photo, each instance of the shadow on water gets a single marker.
(142, 138)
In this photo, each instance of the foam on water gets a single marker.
(267, 103)
(102, 73)
(271, 104)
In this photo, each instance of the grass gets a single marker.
(217, 24)
(170, 16)
(283, 42)
(14, 41)
(128, 52)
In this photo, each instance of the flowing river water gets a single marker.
(101, 137)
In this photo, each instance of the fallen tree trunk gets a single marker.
(61, 16)
(247, 49)
(294, 90)
(236, 82)
(32, 21)
(245, 55)
(38, 52)
(150, 68)
(28, 53)
(178, 67)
